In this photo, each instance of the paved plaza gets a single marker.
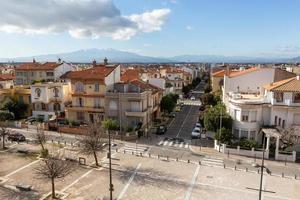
(136, 177)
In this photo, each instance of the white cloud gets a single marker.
(189, 28)
(147, 45)
(80, 18)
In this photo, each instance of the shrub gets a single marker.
(129, 129)
(225, 137)
(249, 144)
(44, 153)
(75, 123)
(4, 116)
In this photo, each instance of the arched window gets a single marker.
(79, 87)
(38, 92)
(56, 92)
(56, 107)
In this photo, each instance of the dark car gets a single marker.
(16, 137)
(161, 130)
(201, 108)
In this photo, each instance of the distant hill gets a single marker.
(117, 56)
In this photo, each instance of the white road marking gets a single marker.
(76, 181)
(171, 143)
(161, 142)
(189, 192)
(184, 121)
(176, 144)
(16, 171)
(129, 182)
(181, 145)
(165, 143)
(186, 145)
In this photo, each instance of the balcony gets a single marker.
(130, 113)
(85, 109)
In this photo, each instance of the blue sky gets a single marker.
(214, 27)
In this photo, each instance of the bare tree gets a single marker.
(92, 142)
(289, 137)
(3, 133)
(40, 137)
(53, 167)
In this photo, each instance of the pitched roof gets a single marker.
(130, 74)
(220, 73)
(95, 73)
(240, 73)
(38, 66)
(287, 85)
(6, 77)
(144, 85)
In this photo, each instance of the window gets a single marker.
(236, 133)
(275, 120)
(278, 96)
(97, 87)
(43, 106)
(49, 74)
(297, 98)
(283, 124)
(97, 103)
(56, 107)
(38, 92)
(21, 99)
(245, 116)
(80, 116)
(244, 134)
(79, 87)
(56, 92)
(113, 105)
(252, 135)
(80, 102)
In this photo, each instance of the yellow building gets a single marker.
(19, 94)
(88, 88)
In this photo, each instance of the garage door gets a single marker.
(297, 119)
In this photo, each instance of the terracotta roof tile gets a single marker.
(6, 77)
(240, 73)
(130, 74)
(287, 85)
(95, 73)
(38, 66)
(220, 73)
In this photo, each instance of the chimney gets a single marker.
(94, 63)
(59, 60)
(33, 60)
(105, 61)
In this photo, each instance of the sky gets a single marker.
(160, 28)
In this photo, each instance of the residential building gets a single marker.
(88, 89)
(27, 73)
(49, 99)
(7, 81)
(133, 102)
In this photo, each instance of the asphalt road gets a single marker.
(184, 122)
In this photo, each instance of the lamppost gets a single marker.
(111, 186)
(220, 131)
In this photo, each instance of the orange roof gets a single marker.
(144, 85)
(240, 73)
(6, 77)
(287, 85)
(95, 73)
(220, 73)
(38, 66)
(130, 74)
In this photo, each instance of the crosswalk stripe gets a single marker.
(171, 143)
(161, 142)
(186, 145)
(165, 143)
(181, 144)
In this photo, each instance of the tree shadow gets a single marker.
(6, 193)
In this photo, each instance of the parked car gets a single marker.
(196, 133)
(162, 129)
(193, 98)
(201, 108)
(16, 137)
(177, 109)
(172, 115)
(198, 125)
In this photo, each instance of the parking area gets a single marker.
(136, 177)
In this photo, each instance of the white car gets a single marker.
(198, 125)
(196, 133)
(193, 98)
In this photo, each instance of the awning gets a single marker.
(271, 132)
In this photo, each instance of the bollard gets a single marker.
(188, 161)
(132, 153)
(65, 143)
(71, 143)
(158, 156)
(116, 150)
(234, 167)
(52, 141)
(224, 166)
(282, 175)
(295, 177)
(58, 142)
(124, 151)
(149, 155)
(167, 158)
(177, 159)
(141, 154)
(246, 169)
(199, 162)
(258, 171)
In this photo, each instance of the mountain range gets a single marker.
(117, 56)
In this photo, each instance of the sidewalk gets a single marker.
(242, 162)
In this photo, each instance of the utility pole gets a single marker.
(111, 187)
(262, 168)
